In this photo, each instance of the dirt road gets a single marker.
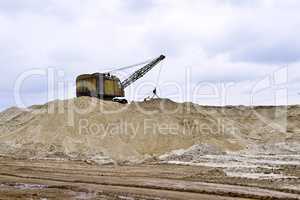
(46, 179)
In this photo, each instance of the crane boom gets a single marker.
(141, 72)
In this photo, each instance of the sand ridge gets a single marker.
(108, 132)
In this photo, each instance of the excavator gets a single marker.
(109, 87)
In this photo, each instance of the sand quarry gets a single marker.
(176, 150)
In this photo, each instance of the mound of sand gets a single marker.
(106, 132)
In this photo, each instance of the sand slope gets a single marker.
(104, 131)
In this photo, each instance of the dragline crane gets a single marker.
(107, 86)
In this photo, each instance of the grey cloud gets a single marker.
(271, 54)
(240, 3)
(257, 41)
(139, 5)
(15, 6)
(231, 40)
(65, 10)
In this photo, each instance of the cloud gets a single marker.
(64, 10)
(218, 40)
(280, 53)
(138, 5)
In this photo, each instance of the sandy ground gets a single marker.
(157, 149)
(52, 179)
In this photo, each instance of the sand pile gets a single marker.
(106, 132)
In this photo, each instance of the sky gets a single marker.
(218, 52)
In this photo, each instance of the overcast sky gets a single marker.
(209, 44)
